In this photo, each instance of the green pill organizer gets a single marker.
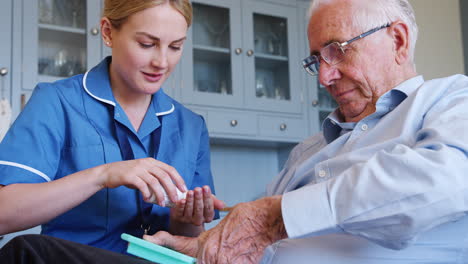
(152, 252)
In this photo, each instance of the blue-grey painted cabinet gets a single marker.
(241, 69)
(319, 103)
(5, 49)
(242, 54)
(62, 39)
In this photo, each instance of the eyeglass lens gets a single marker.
(311, 64)
(332, 53)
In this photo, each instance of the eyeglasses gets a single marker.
(333, 53)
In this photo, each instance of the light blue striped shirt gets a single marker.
(397, 180)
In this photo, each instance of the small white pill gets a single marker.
(167, 200)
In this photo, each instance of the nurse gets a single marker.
(88, 153)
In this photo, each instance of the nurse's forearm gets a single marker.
(183, 229)
(27, 205)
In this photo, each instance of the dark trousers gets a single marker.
(41, 249)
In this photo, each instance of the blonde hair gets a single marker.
(117, 11)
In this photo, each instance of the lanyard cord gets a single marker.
(127, 154)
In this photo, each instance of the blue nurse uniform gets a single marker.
(68, 126)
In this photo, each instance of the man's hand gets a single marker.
(240, 237)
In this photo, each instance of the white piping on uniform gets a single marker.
(26, 168)
(167, 112)
(92, 95)
(112, 103)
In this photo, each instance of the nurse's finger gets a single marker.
(142, 187)
(208, 211)
(179, 209)
(172, 172)
(155, 188)
(188, 212)
(165, 181)
(198, 217)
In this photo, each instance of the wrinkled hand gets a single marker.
(240, 237)
(197, 208)
(148, 175)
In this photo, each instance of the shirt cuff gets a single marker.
(306, 211)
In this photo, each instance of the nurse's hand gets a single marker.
(148, 175)
(197, 208)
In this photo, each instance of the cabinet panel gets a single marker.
(232, 123)
(61, 39)
(5, 49)
(271, 76)
(274, 126)
(211, 59)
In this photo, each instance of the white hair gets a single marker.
(381, 12)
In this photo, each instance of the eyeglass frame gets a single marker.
(315, 59)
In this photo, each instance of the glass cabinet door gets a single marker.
(57, 35)
(271, 57)
(5, 51)
(62, 38)
(325, 104)
(212, 55)
(271, 83)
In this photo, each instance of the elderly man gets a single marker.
(389, 171)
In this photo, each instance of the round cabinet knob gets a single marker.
(238, 51)
(94, 31)
(315, 103)
(283, 127)
(3, 71)
(250, 53)
(234, 123)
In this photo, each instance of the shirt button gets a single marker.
(364, 127)
(322, 173)
(117, 115)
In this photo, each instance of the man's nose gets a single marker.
(328, 74)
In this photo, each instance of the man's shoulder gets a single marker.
(454, 82)
(312, 143)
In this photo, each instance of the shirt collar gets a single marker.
(333, 124)
(96, 83)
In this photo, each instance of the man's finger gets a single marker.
(185, 245)
(218, 204)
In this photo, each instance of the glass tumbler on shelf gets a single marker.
(46, 11)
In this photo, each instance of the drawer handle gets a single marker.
(234, 123)
(94, 31)
(3, 71)
(283, 127)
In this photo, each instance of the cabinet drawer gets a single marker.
(273, 126)
(232, 123)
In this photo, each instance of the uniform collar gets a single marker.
(96, 83)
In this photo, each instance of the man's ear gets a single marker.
(401, 41)
(106, 31)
